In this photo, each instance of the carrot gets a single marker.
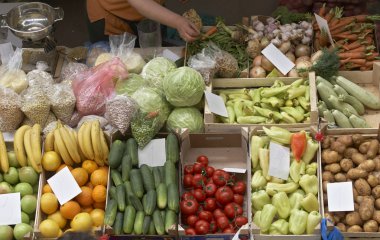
(369, 64)
(351, 37)
(360, 61)
(344, 61)
(341, 33)
(330, 15)
(373, 56)
(351, 55)
(362, 48)
(322, 10)
(342, 22)
(365, 68)
(352, 65)
(354, 45)
(209, 32)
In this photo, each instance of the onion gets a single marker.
(257, 72)
(302, 50)
(257, 60)
(293, 73)
(304, 58)
(285, 46)
(291, 56)
(303, 68)
(316, 56)
(266, 64)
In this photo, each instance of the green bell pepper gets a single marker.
(295, 200)
(273, 188)
(313, 219)
(309, 184)
(295, 170)
(310, 203)
(259, 199)
(297, 221)
(256, 218)
(279, 227)
(311, 168)
(281, 201)
(266, 217)
(311, 149)
(279, 135)
(258, 180)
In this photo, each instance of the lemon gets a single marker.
(49, 203)
(49, 228)
(81, 222)
(51, 161)
(97, 216)
(58, 218)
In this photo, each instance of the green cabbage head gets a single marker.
(129, 85)
(186, 117)
(156, 70)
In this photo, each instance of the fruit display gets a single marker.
(291, 206)
(212, 201)
(143, 200)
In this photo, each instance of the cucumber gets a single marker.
(137, 183)
(162, 196)
(116, 154)
(129, 219)
(116, 177)
(172, 148)
(343, 107)
(120, 197)
(146, 224)
(132, 150)
(170, 220)
(163, 215)
(358, 122)
(170, 173)
(128, 191)
(126, 167)
(147, 177)
(150, 202)
(152, 228)
(135, 202)
(113, 192)
(139, 220)
(157, 177)
(173, 197)
(162, 171)
(118, 225)
(341, 119)
(110, 214)
(158, 222)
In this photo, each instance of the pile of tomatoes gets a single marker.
(213, 200)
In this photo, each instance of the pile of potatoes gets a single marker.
(354, 158)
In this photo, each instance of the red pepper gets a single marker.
(298, 144)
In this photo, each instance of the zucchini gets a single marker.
(128, 191)
(116, 177)
(324, 81)
(147, 177)
(146, 224)
(139, 221)
(162, 196)
(113, 192)
(157, 177)
(170, 173)
(321, 107)
(110, 214)
(324, 93)
(152, 228)
(358, 122)
(365, 97)
(343, 107)
(170, 220)
(129, 219)
(329, 117)
(162, 171)
(132, 150)
(116, 154)
(135, 202)
(137, 183)
(120, 197)
(158, 222)
(126, 167)
(355, 103)
(173, 197)
(341, 119)
(150, 202)
(172, 148)
(118, 225)
(340, 91)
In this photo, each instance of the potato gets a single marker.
(340, 215)
(377, 163)
(358, 139)
(355, 193)
(376, 192)
(356, 207)
(349, 151)
(353, 218)
(327, 176)
(358, 158)
(376, 216)
(333, 168)
(360, 199)
(373, 148)
(355, 228)
(362, 187)
(363, 148)
(372, 180)
(338, 147)
(329, 156)
(340, 177)
(370, 226)
(341, 227)
(324, 186)
(327, 141)
(346, 164)
(355, 173)
(325, 199)
(366, 208)
(377, 203)
(346, 140)
(368, 165)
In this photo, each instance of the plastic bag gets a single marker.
(71, 69)
(10, 110)
(95, 50)
(38, 77)
(93, 87)
(120, 111)
(103, 122)
(204, 64)
(74, 120)
(62, 101)
(226, 65)
(11, 75)
(35, 105)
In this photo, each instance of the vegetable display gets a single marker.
(143, 200)
(282, 207)
(188, 117)
(212, 201)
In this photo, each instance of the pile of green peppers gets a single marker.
(284, 207)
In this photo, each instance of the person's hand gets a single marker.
(187, 30)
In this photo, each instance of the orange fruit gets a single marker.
(89, 184)
(101, 205)
(99, 177)
(89, 166)
(85, 197)
(46, 188)
(99, 193)
(80, 175)
(63, 166)
(97, 216)
(87, 209)
(49, 203)
(81, 222)
(70, 209)
(104, 168)
(51, 161)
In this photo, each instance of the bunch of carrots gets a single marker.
(353, 36)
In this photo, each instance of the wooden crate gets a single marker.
(210, 118)
(255, 230)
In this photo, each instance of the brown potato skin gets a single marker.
(346, 140)
(355, 228)
(328, 176)
(353, 218)
(358, 158)
(377, 203)
(355, 173)
(327, 142)
(363, 148)
(366, 208)
(341, 227)
(372, 180)
(346, 164)
(340, 177)
(329, 156)
(362, 187)
(324, 186)
(373, 148)
(370, 226)
(333, 168)
(338, 147)
(349, 151)
(376, 216)
(377, 163)
(376, 192)
(367, 165)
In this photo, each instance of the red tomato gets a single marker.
(188, 180)
(209, 180)
(218, 213)
(239, 199)
(239, 187)
(187, 195)
(205, 215)
(190, 231)
(210, 204)
(213, 227)
(199, 181)
(189, 169)
(210, 189)
(232, 210)
(202, 227)
(210, 171)
(228, 230)
(222, 222)
(191, 220)
(189, 206)
(220, 177)
(199, 194)
(240, 221)
(203, 159)
(224, 195)
(199, 168)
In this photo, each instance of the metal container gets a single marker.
(31, 21)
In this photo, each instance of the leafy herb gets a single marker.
(327, 65)
(285, 16)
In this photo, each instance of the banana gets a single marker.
(80, 140)
(49, 142)
(4, 163)
(62, 148)
(70, 144)
(35, 140)
(18, 146)
(104, 146)
(29, 151)
(87, 150)
(75, 136)
(95, 140)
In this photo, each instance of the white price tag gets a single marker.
(215, 104)
(235, 170)
(10, 209)
(323, 25)
(279, 60)
(279, 161)
(154, 154)
(340, 197)
(64, 186)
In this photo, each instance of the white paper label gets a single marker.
(170, 55)
(154, 154)
(323, 25)
(10, 209)
(64, 186)
(215, 104)
(6, 52)
(279, 60)
(340, 197)
(235, 170)
(9, 136)
(279, 161)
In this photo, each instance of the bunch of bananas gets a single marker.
(27, 146)
(4, 163)
(88, 144)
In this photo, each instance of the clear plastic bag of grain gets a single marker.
(49, 127)
(39, 77)
(10, 110)
(204, 64)
(51, 118)
(62, 100)
(71, 69)
(35, 105)
(226, 65)
(120, 111)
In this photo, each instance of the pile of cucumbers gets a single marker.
(142, 200)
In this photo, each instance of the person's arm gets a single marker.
(156, 12)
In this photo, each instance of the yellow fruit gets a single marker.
(47, 189)
(58, 218)
(99, 177)
(99, 194)
(80, 175)
(90, 166)
(81, 222)
(97, 216)
(63, 166)
(49, 203)
(51, 161)
(49, 228)
(70, 209)
(85, 197)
